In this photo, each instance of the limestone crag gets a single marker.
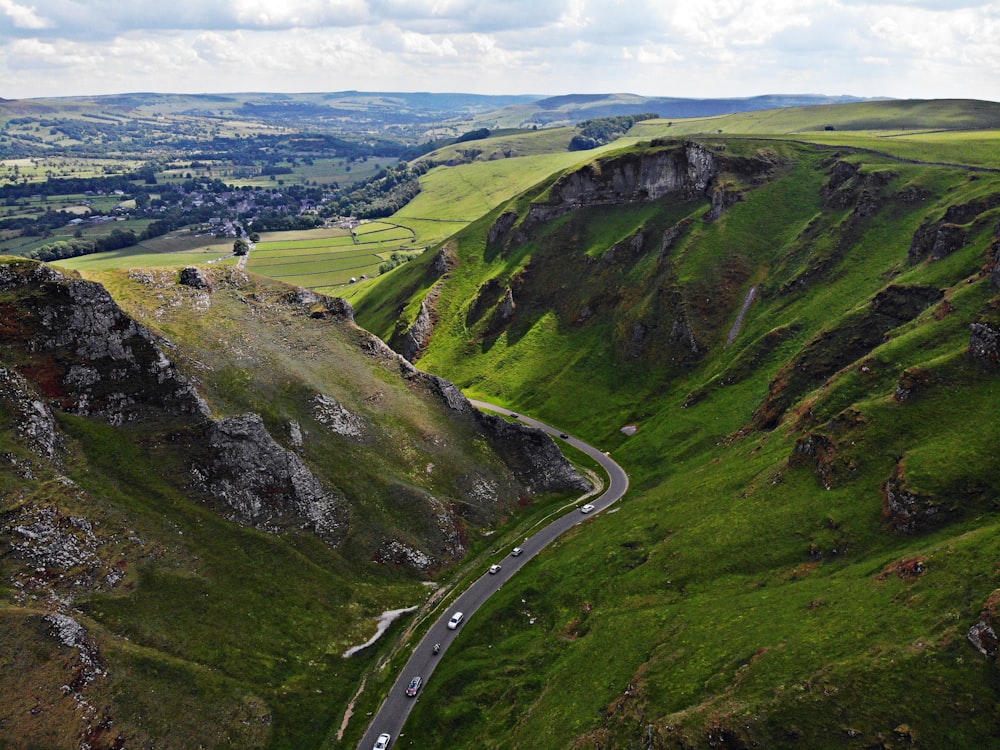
(263, 484)
(337, 418)
(89, 357)
(33, 419)
(418, 335)
(983, 634)
(632, 178)
(533, 456)
(984, 342)
(906, 511)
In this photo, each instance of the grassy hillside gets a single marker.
(811, 533)
(134, 610)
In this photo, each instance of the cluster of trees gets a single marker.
(600, 130)
(396, 259)
(381, 195)
(274, 222)
(116, 240)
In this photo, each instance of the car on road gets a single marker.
(456, 620)
(513, 415)
(494, 569)
(516, 551)
(382, 742)
(564, 436)
(414, 687)
(586, 508)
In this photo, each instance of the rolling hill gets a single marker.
(792, 349)
(788, 335)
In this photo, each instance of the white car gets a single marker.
(494, 569)
(382, 742)
(456, 620)
(516, 551)
(586, 508)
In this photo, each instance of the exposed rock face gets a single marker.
(906, 511)
(818, 451)
(632, 178)
(500, 231)
(33, 419)
(850, 187)
(489, 294)
(983, 634)
(194, 277)
(333, 415)
(984, 342)
(418, 335)
(671, 235)
(505, 310)
(836, 348)
(265, 485)
(938, 239)
(87, 355)
(722, 200)
(444, 262)
(533, 456)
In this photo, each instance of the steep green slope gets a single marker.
(198, 522)
(805, 353)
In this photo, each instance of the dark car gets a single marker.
(414, 687)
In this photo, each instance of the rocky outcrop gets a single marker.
(818, 452)
(84, 353)
(532, 455)
(194, 277)
(500, 231)
(415, 339)
(833, 349)
(984, 342)
(631, 178)
(723, 200)
(672, 235)
(505, 310)
(444, 262)
(906, 511)
(938, 239)
(264, 485)
(32, 418)
(851, 187)
(337, 418)
(983, 634)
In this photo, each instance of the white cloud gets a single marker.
(918, 48)
(22, 16)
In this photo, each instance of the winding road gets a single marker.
(394, 711)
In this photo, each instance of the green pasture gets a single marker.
(323, 171)
(162, 252)
(327, 260)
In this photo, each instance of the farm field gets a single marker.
(319, 172)
(324, 260)
(163, 252)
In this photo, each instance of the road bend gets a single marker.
(392, 715)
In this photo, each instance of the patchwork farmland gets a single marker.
(321, 261)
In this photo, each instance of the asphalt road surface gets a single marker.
(392, 715)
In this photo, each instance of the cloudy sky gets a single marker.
(692, 48)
